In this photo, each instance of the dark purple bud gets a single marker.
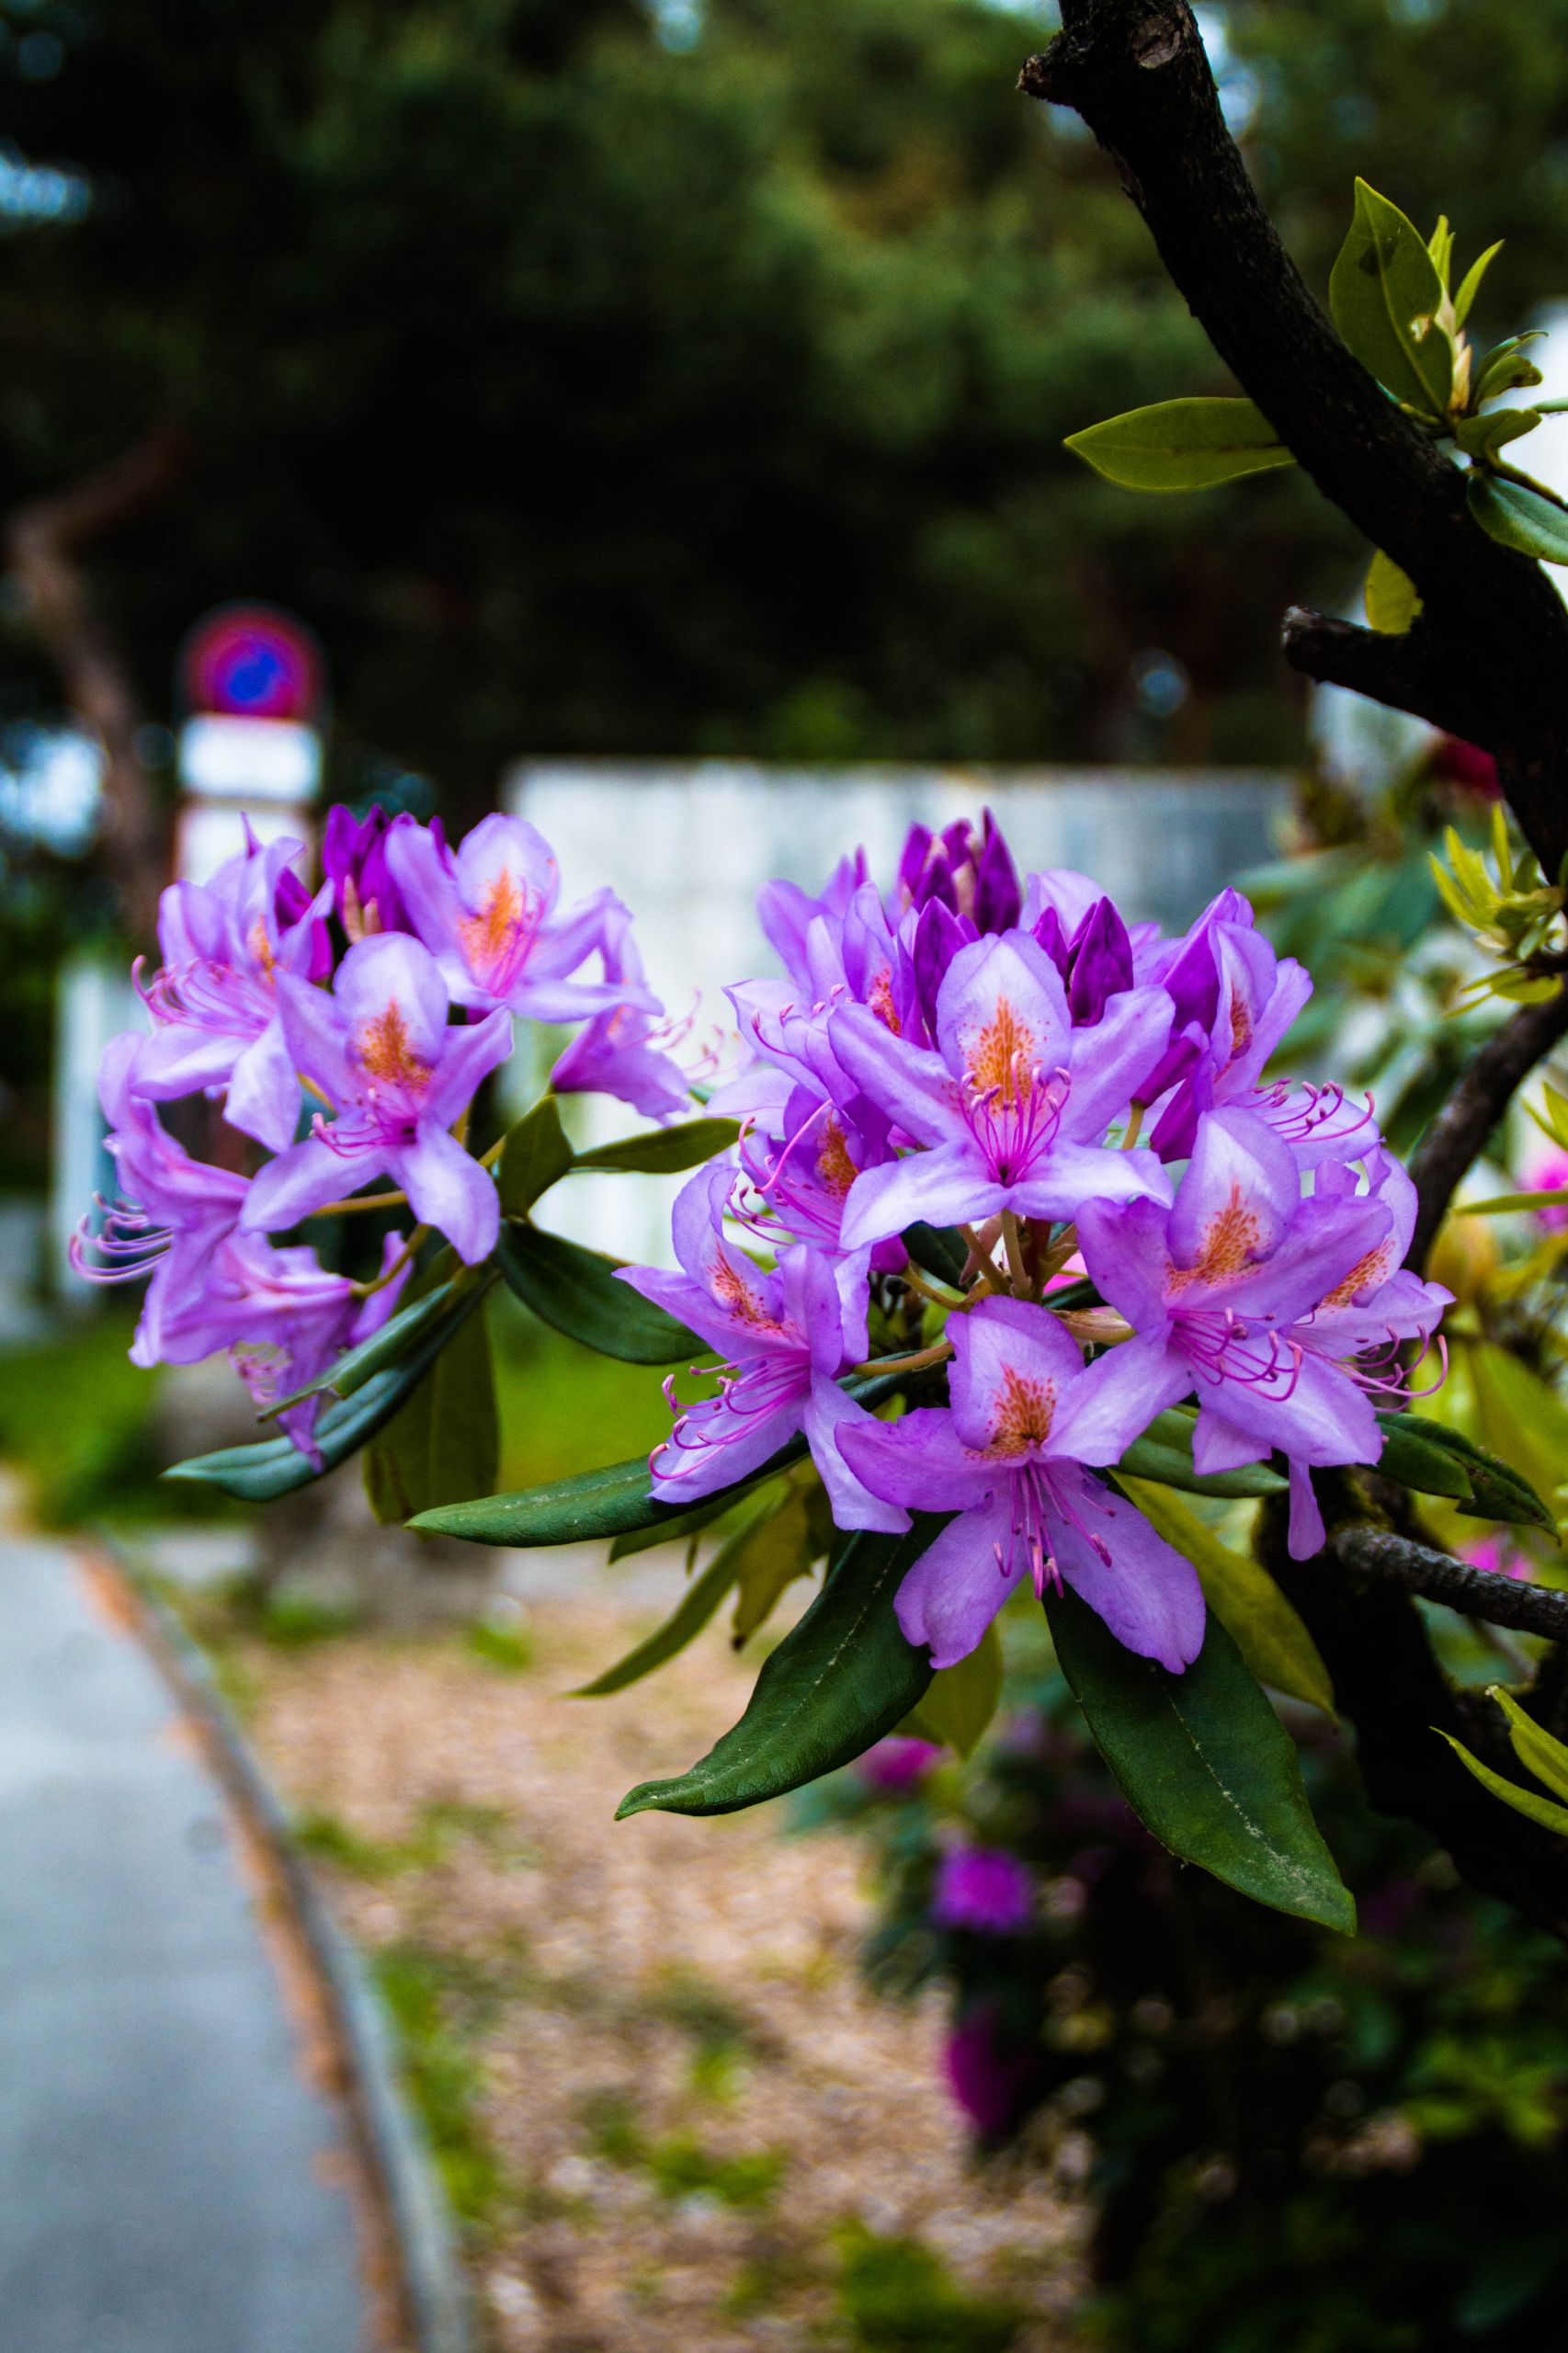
(1053, 939)
(938, 936)
(1193, 982)
(912, 864)
(292, 900)
(1176, 1131)
(998, 901)
(990, 2079)
(1102, 962)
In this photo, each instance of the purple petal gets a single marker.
(919, 1461)
(1124, 1249)
(449, 1189)
(1112, 1063)
(1117, 1398)
(304, 1179)
(390, 972)
(1306, 1535)
(1101, 963)
(1147, 1594)
(828, 1414)
(1071, 1176)
(264, 1091)
(948, 1187)
(1239, 1188)
(997, 901)
(1013, 1361)
(1002, 1010)
(955, 1588)
(910, 1085)
(466, 1055)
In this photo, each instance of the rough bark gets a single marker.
(44, 542)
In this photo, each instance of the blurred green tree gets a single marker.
(601, 380)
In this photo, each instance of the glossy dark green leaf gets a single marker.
(1496, 1490)
(1204, 1762)
(840, 1679)
(443, 1446)
(617, 1501)
(1385, 291)
(276, 1467)
(939, 1250)
(1413, 1459)
(688, 1523)
(387, 1346)
(576, 1290)
(1182, 445)
(535, 1157)
(1164, 1453)
(1520, 518)
(666, 1150)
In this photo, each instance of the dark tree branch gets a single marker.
(1406, 673)
(1388, 1685)
(1459, 1133)
(1135, 70)
(1377, 1554)
(44, 543)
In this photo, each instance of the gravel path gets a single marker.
(666, 2102)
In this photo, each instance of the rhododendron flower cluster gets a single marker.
(339, 1039)
(1130, 1216)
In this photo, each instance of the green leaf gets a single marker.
(769, 1557)
(1524, 1801)
(443, 1445)
(1469, 284)
(686, 1622)
(1520, 518)
(1268, 1630)
(535, 1157)
(686, 1523)
(666, 1150)
(1480, 436)
(1412, 1458)
(1182, 445)
(1385, 293)
(1507, 368)
(1498, 1490)
(840, 1679)
(260, 1474)
(960, 1700)
(576, 1290)
(1391, 597)
(1505, 1204)
(1204, 1762)
(939, 1250)
(387, 1346)
(1534, 1746)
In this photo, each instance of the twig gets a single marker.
(1458, 1135)
(1376, 1552)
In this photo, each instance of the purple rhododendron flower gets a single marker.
(784, 1335)
(486, 911)
(379, 1051)
(1006, 1456)
(354, 859)
(214, 998)
(1220, 1290)
(622, 1051)
(985, 1888)
(1013, 1104)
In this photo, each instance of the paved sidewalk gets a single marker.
(172, 2178)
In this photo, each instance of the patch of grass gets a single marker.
(295, 1621)
(438, 1828)
(75, 1421)
(896, 2296)
(424, 1991)
(678, 2165)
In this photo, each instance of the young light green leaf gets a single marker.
(1385, 293)
(1483, 437)
(960, 1700)
(276, 1467)
(1182, 445)
(1268, 1630)
(692, 1612)
(666, 1151)
(1204, 1762)
(1507, 368)
(1469, 284)
(840, 1679)
(443, 1445)
(1525, 1801)
(576, 1290)
(535, 1157)
(1391, 598)
(1535, 1749)
(1520, 518)
(769, 1557)
(1440, 245)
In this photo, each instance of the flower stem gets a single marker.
(391, 1274)
(917, 1363)
(363, 1201)
(1013, 1247)
(1134, 1127)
